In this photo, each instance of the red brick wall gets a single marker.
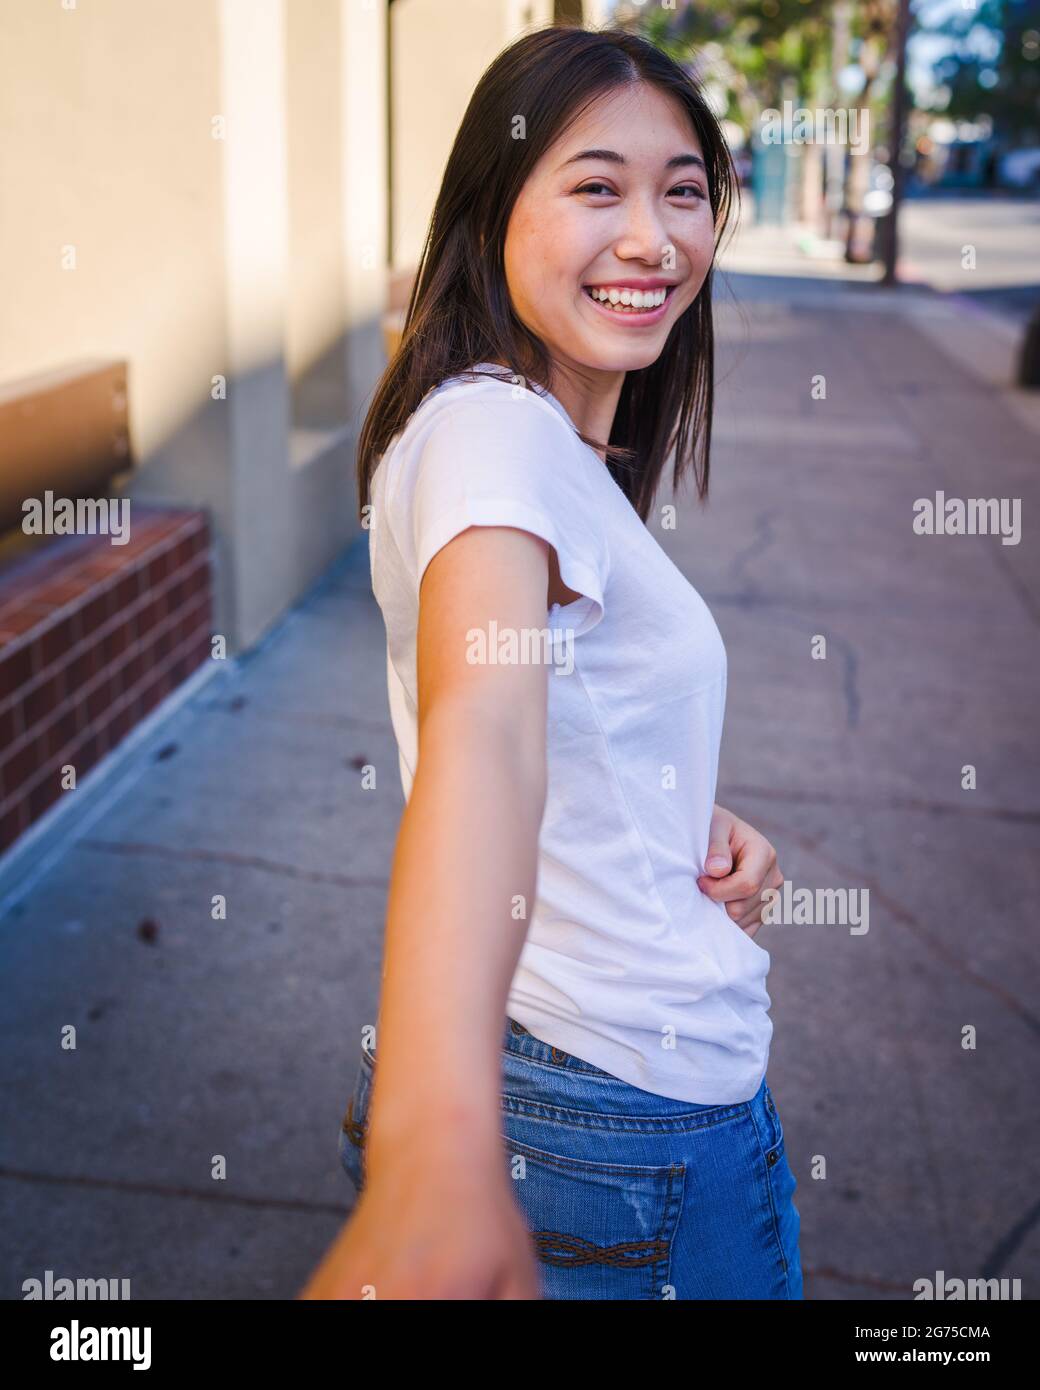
(92, 636)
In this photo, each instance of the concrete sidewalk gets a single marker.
(198, 1037)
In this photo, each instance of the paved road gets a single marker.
(1004, 236)
(199, 1037)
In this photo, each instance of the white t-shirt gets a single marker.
(626, 963)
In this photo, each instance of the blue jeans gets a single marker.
(629, 1195)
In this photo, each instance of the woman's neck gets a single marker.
(590, 399)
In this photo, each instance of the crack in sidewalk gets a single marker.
(155, 1189)
(242, 861)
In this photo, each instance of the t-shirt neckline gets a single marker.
(542, 391)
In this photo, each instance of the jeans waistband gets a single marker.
(521, 1041)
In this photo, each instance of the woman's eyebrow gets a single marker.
(677, 161)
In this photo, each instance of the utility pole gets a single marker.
(890, 230)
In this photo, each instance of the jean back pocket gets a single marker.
(600, 1230)
(354, 1127)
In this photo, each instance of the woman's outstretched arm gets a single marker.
(437, 1218)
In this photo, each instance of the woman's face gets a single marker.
(632, 219)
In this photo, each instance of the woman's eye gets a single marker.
(690, 191)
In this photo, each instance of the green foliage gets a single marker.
(993, 68)
(759, 51)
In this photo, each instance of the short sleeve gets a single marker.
(487, 455)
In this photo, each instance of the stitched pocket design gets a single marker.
(355, 1125)
(600, 1230)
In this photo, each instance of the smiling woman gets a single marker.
(570, 1097)
(622, 181)
(597, 219)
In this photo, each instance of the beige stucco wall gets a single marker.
(316, 286)
(434, 74)
(111, 242)
(181, 192)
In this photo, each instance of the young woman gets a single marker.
(569, 1099)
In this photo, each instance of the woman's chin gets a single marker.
(621, 357)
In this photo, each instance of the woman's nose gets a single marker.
(642, 235)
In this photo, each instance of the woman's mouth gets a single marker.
(626, 305)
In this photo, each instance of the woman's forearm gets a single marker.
(462, 888)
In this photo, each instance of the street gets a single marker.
(1003, 233)
(904, 1057)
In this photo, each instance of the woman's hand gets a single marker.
(423, 1230)
(740, 866)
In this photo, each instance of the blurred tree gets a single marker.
(874, 25)
(993, 68)
(749, 51)
(749, 54)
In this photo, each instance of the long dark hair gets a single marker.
(459, 312)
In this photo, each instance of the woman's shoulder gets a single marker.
(485, 388)
(478, 415)
(484, 449)
(484, 444)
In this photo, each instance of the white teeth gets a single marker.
(629, 301)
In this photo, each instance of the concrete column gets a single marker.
(365, 155)
(256, 259)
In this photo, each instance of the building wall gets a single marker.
(433, 78)
(179, 194)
